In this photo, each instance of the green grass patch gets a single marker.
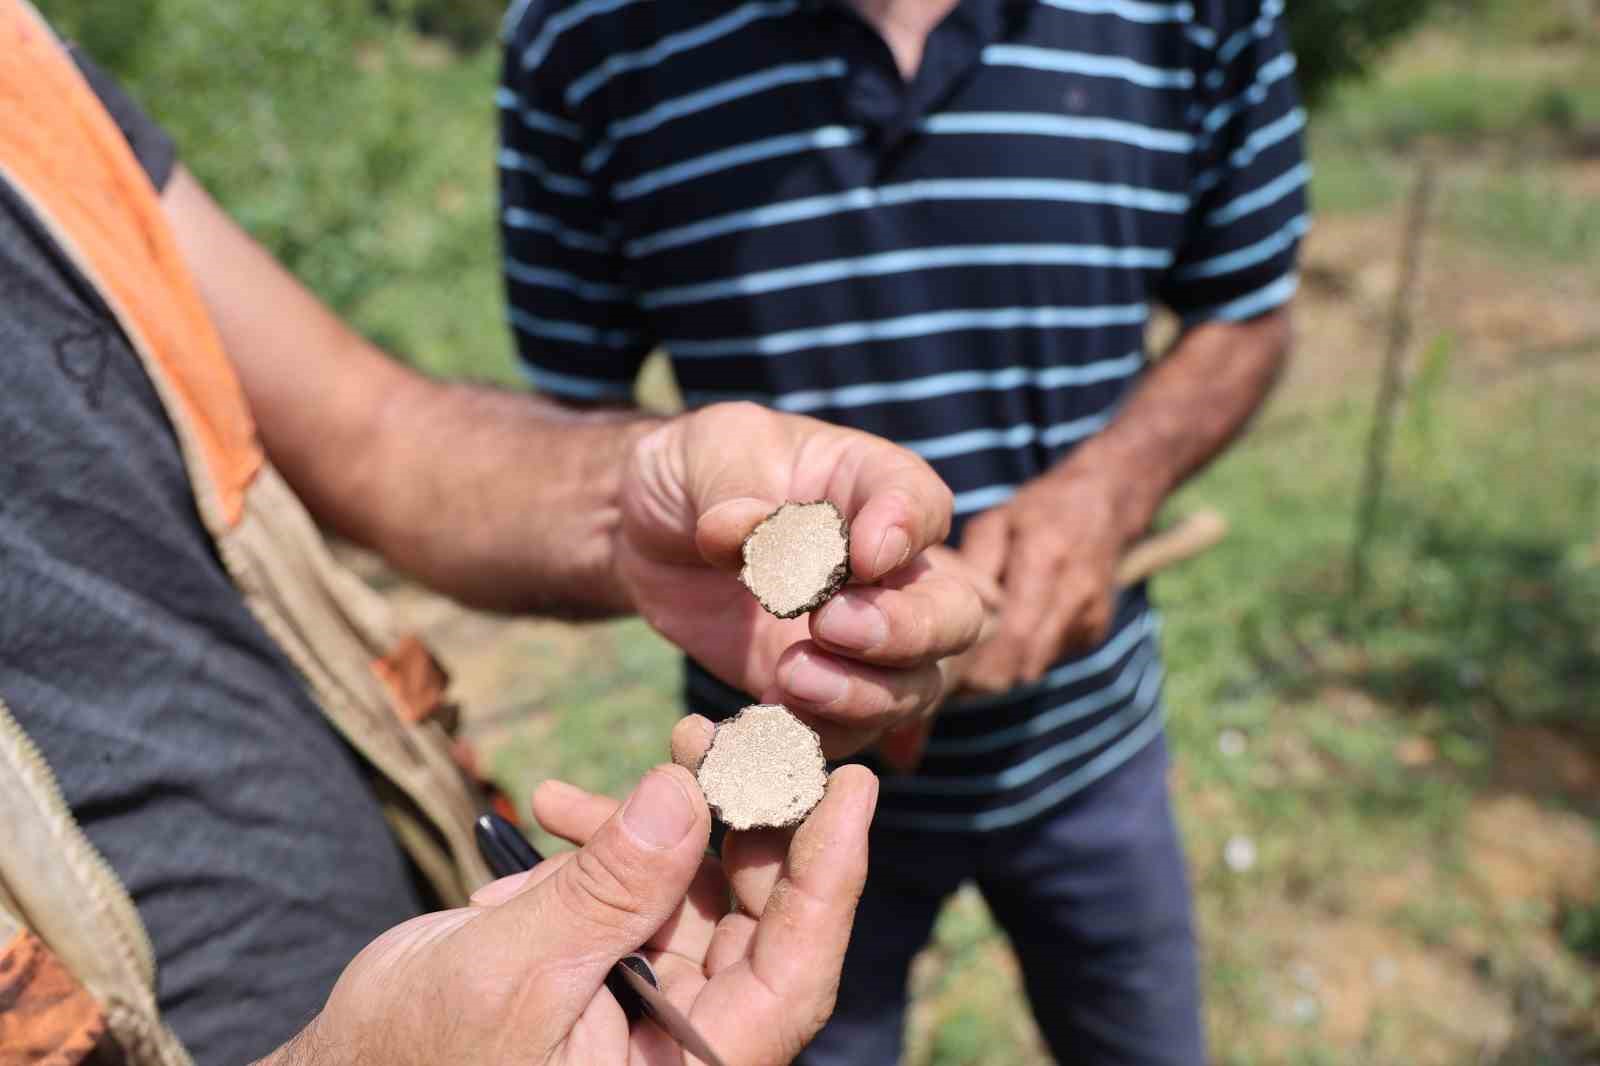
(1348, 177)
(441, 302)
(1460, 86)
(1527, 215)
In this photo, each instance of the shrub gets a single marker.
(464, 23)
(294, 114)
(1339, 39)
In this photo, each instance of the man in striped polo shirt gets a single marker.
(945, 221)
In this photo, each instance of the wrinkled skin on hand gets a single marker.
(518, 976)
(1053, 548)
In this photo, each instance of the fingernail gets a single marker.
(658, 813)
(852, 623)
(559, 787)
(892, 551)
(814, 682)
(691, 738)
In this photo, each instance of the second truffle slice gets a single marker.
(764, 769)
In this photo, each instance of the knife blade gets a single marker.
(632, 980)
(676, 1023)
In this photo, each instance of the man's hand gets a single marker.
(518, 977)
(1054, 549)
(869, 658)
(1055, 545)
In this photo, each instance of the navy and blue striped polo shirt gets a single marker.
(964, 263)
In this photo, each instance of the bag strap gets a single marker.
(65, 157)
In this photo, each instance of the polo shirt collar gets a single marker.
(875, 95)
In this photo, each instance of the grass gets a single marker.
(1528, 214)
(1500, 123)
(441, 304)
(1452, 105)
(1375, 726)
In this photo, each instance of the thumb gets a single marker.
(563, 934)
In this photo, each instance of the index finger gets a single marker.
(896, 504)
(901, 623)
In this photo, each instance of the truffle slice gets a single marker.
(797, 558)
(764, 770)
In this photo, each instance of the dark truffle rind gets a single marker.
(790, 753)
(836, 579)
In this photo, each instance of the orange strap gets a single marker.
(46, 1017)
(415, 680)
(66, 157)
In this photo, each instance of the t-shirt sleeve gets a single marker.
(150, 143)
(1249, 205)
(579, 332)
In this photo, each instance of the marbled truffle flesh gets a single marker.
(797, 558)
(764, 769)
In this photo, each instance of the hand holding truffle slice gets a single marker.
(797, 558)
(764, 769)
(698, 485)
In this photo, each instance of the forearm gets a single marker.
(1189, 407)
(501, 499)
(497, 498)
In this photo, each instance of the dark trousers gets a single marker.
(1095, 899)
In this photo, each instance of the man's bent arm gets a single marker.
(1189, 407)
(414, 468)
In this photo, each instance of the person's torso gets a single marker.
(183, 740)
(962, 265)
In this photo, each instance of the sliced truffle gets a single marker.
(764, 770)
(797, 558)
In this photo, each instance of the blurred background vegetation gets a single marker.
(1391, 802)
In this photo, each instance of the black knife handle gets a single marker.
(504, 847)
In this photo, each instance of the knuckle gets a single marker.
(742, 410)
(921, 636)
(867, 705)
(596, 885)
(972, 619)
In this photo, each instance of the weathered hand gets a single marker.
(518, 977)
(1054, 548)
(870, 657)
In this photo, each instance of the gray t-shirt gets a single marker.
(185, 743)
